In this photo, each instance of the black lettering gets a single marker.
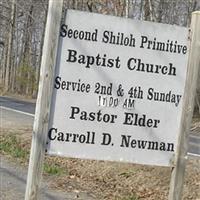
(63, 31)
(125, 140)
(131, 67)
(106, 139)
(74, 111)
(150, 94)
(144, 40)
(57, 82)
(50, 133)
(105, 38)
(128, 118)
(71, 55)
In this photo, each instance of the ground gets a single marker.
(105, 180)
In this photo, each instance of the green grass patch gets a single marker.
(132, 197)
(12, 145)
(127, 174)
(53, 169)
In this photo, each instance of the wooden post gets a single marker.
(177, 177)
(40, 127)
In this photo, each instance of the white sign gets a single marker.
(118, 89)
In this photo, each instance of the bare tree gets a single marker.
(9, 50)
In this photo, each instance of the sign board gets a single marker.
(118, 89)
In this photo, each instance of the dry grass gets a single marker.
(112, 180)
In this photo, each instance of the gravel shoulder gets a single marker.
(13, 183)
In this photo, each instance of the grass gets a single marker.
(15, 146)
(12, 145)
(132, 197)
(127, 174)
(53, 169)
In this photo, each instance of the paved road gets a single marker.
(194, 145)
(27, 108)
(15, 120)
(17, 105)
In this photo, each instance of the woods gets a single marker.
(21, 43)
(23, 25)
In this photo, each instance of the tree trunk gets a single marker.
(9, 52)
(146, 10)
(3, 71)
(37, 71)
